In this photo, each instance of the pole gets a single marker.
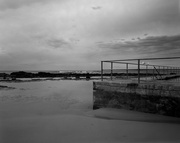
(111, 70)
(167, 70)
(153, 73)
(138, 71)
(127, 70)
(163, 71)
(146, 71)
(101, 70)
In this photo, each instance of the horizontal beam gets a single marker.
(118, 62)
(144, 59)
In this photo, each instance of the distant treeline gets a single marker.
(23, 74)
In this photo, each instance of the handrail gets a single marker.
(145, 59)
(166, 69)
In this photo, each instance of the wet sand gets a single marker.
(54, 113)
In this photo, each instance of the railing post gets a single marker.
(167, 70)
(101, 70)
(146, 71)
(176, 70)
(163, 70)
(153, 73)
(127, 70)
(138, 71)
(111, 70)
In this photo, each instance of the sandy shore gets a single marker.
(49, 112)
(101, 126)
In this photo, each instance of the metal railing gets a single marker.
(157, 71)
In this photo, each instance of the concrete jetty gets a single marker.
(152, 97)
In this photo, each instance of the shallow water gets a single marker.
(45, 97)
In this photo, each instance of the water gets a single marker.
(46, 97)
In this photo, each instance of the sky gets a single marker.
(78, 34)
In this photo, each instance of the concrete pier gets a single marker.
(157, 98)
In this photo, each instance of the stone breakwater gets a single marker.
(154, 98)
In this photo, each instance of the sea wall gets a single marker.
(151, 98)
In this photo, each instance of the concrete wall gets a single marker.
(150, 98)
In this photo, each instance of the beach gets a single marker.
(61, 111)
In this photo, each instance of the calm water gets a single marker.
(46, 97)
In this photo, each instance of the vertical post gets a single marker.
(111, 70)
(163, 70)
(167, 70)
(101, 70)
(127, 70)
(177, 70)
(146, 71)
(138, 71)
(172, 69)
(153, 72)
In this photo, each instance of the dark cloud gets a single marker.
(14, 4)
(155, 18)
(96, 7)
(58, 43)
(74, 40)
(154, 45)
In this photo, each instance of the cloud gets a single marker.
(150, 46)
(58, 43)
(96, 7)
(43, 32)
(14, 4)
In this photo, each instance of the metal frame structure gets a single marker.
(166, 69)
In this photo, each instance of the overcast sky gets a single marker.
(78, 34)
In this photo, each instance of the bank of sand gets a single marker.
(100, 126)
(38, 115)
